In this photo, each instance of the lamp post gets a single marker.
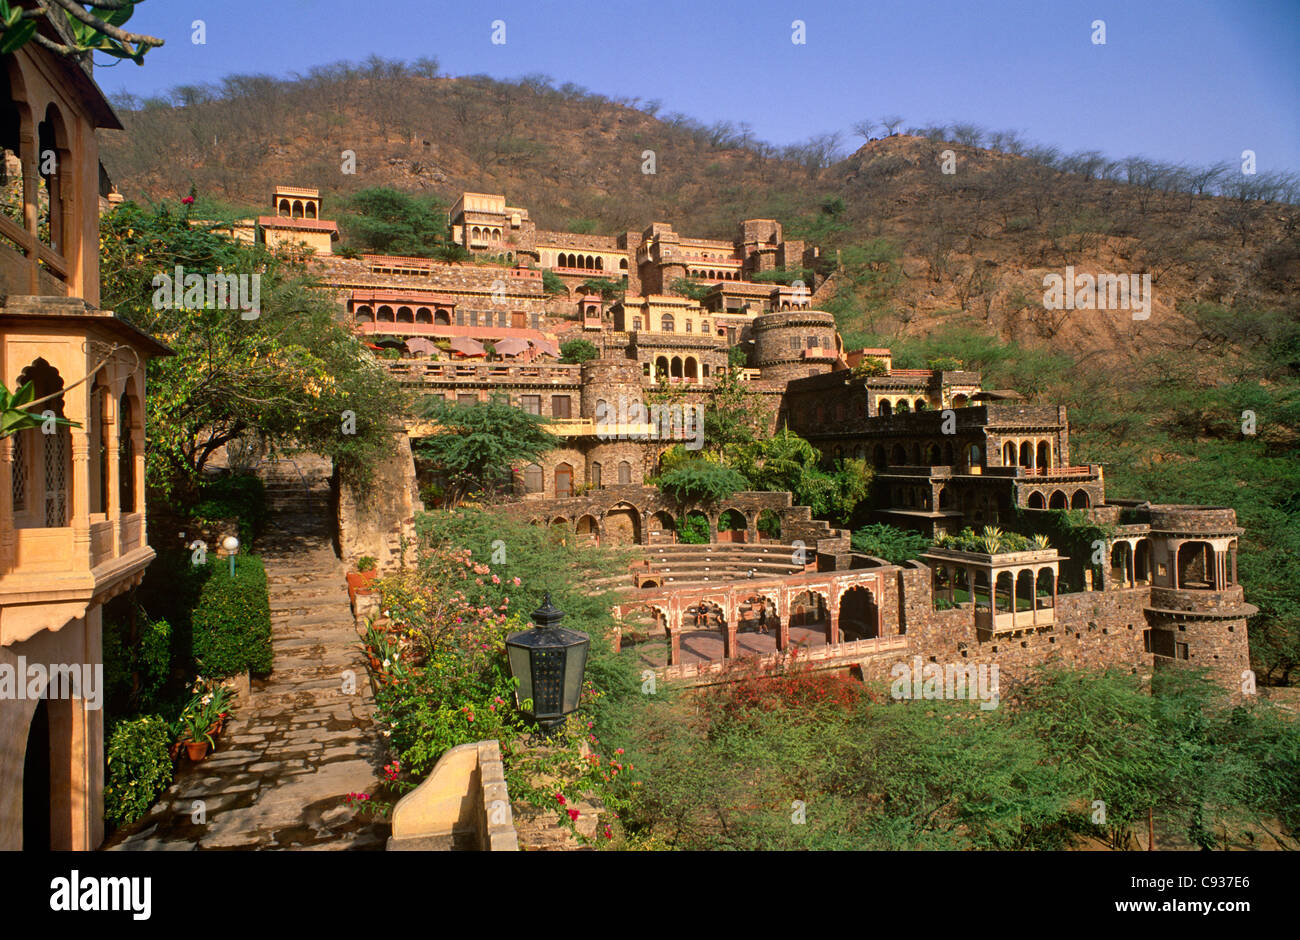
(231, 545)
(548, 662)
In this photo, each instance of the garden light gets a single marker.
(548, 663)
(231, 545)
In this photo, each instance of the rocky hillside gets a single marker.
(923, 249)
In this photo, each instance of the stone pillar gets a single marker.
(79, 487)
(674, 647)
(77, 751)
(7, 537)
(113, 498)
(832, 626)
(729, 641)
(783, 631)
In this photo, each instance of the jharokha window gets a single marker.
(42, 463)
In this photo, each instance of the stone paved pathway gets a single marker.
(286, 759)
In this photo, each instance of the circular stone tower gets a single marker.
(1197, 611)
(795, 343)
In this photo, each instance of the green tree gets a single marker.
(476, 446)
(607, 288)
(387, 221)
(552, 283)
(697, 480)
(578, 351)
(91, 27)
(291, 377)
(684, 287)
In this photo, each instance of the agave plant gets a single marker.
(1040, 542)
(991, 540)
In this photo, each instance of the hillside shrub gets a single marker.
(139, 768)
(232, 622)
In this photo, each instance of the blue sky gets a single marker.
(1179, 80)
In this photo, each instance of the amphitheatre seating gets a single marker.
(681, 564)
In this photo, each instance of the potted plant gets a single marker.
(197, 737)
(359, 580)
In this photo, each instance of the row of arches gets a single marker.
(1035, 453)
(1059, 499)
(35, 131)
(754, 625)
(42, 477)
(563, 476)
(480, 234)
(714, 275)
(440, 316)
(580, 262)
(297, 209)
(678, 368)
(900, 404)
(661, 527)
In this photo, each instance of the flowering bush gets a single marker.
(442, 677)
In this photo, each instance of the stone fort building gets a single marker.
(947, 452)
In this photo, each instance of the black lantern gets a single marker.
(548, 661)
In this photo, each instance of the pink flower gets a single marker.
(573, 814)
(516, 582)
(608, 834)
(559, 798)
(496, 579)
(188, 200)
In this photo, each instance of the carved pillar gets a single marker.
(80, 493)
(674, 647)
(31, 220)
(113, 498)
(7, 536)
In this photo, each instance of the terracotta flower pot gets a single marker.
(196, 750)
(359, 582)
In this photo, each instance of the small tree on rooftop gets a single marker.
(476, 445)
(578, 351)
(701, 481)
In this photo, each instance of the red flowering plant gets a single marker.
(474, 578)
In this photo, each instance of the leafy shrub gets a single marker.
(944, 364)
(552, 283)
(139, 768)
(149, 657)
(870, 365)
(699, 480)
(366, 563)
(232, 622)
(890, 543)
(578, 351)
(240, 496)
(693, 529)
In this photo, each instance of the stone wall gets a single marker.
(463, 803)
(373, 521)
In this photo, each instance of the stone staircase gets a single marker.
(292, 752)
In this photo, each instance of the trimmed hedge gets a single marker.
(139, 768)
(232, 620)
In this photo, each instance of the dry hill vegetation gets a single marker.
(932, 264)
